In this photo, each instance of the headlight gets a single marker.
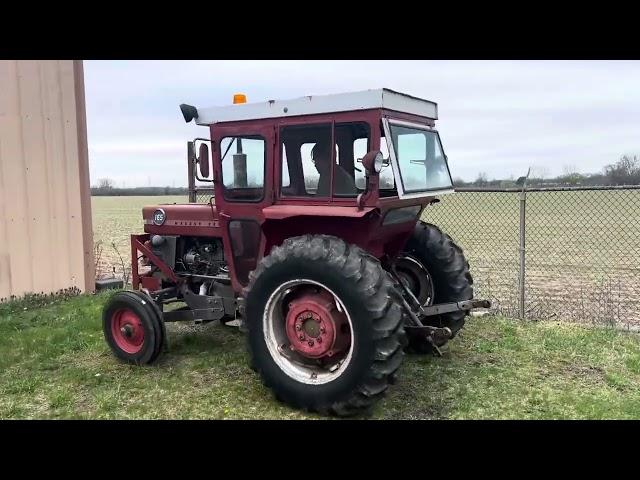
(377, 164)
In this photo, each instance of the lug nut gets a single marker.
(310, 343)
(319, 339)
(301, 336)
(298, 326)
(323, 330)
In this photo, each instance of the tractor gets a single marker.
(311, 242)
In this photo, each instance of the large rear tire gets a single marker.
(450, 279)
(338, 300)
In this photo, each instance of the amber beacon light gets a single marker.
(239, 98)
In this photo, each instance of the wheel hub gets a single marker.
(127, 331)
(315, 327)
(416, 278)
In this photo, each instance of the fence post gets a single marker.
(521, 280)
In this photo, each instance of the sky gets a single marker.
(495, 117)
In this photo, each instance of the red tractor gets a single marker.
(313, 241)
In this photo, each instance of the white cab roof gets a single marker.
(316, 104)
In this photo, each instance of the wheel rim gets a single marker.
(127, 331)
(417, 278)
(308, 331)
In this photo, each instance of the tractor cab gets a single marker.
(361, 166)
(314, 147)
(304, 224)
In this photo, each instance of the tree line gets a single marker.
(626, 171)
(106, 187)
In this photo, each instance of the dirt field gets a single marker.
(582, 248)
(114, 219)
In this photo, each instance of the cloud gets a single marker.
(495, 116)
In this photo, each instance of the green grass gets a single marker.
(54, 363)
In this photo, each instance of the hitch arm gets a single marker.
(434, 309)
(454, 306)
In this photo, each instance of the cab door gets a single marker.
(243, 158)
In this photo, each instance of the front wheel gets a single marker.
(132, 328)
(323, 331)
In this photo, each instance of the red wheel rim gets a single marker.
(308, 309)
(315, 327)
(127, 331)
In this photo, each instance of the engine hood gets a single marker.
(190, 219)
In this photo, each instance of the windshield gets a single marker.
(420, 159)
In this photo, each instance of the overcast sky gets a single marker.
(497, 117)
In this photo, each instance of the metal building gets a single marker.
(46, 239)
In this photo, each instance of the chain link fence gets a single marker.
(580, 246)
(200, 194)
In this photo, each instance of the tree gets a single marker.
(625, 171)
(105, 184)
(481, 180)
(570, 176)
(539, 173)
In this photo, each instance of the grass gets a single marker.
(54, 363)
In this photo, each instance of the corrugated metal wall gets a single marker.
(46, 239)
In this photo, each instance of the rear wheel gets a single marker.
(323, 330)
(132, 328)
(435, 270)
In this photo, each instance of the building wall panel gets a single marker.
(45, 207)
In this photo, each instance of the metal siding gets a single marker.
(45, 210)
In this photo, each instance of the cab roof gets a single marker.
(382, 98)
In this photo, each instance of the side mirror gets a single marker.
(373, 161)
(203, 160)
